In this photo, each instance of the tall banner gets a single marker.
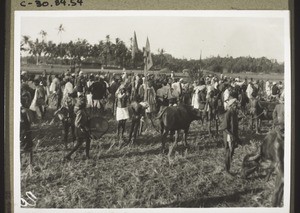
(147, 58)
(134, 47)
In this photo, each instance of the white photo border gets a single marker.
(284, 14)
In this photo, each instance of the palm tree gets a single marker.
(60, 29)
(107, 49)
(43, 34)
(120, 51)
(50, 49)
(25, 41)
(25, 44)
(36, 49)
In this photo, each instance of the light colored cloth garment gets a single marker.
(136, 81)
(216, 84)
(33, 105)
(89, 83)
(226, 96)
(229, 138)
(124, 76)
(249, 91)
(55, 85)
(177, 87)
(52, 88)
(38, 102)
(209, 88)
(122, 113)
(89, 100)
(268, 88)
(97, 104)
(239, 83)
(68, 89)
(196, 96)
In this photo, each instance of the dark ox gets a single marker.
(174, 119)
(269, 157)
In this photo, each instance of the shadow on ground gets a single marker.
(211, 201)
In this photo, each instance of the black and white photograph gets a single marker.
(126, 111)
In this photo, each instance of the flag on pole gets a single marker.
(147, 57)
(134, 46)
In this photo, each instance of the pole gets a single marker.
(145, 67)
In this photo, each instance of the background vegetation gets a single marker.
(115, 54)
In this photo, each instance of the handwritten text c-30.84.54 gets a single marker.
(51, 3)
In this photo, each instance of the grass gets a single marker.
(139, 176)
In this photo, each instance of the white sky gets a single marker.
(181, 36)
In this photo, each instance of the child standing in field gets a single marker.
(122, 113)
(81, 127)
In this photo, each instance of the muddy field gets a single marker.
(139, 176)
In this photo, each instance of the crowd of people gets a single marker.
(75, 98)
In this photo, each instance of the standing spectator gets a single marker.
(25, 124)
(177, 86)
(278, 116)
(249, 90)
(89, 97)
(196, 99)
(268, 89)
(141, 90)
(150, 98)
(275, 91)
(172, 75)
(256, 111)
(230, 133)
(68, 89)
(98, 90)
(162, 95)
(226, 96)
(122, 113)
(55, 93)
(26, 95)
(39, 100)
(280, 85)
(112, 89)
(124, 75)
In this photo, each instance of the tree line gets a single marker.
(109, 53)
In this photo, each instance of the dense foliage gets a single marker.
(108, 53)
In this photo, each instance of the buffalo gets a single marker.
(268, 157)
(174, 119)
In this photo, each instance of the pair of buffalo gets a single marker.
(176, 118)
